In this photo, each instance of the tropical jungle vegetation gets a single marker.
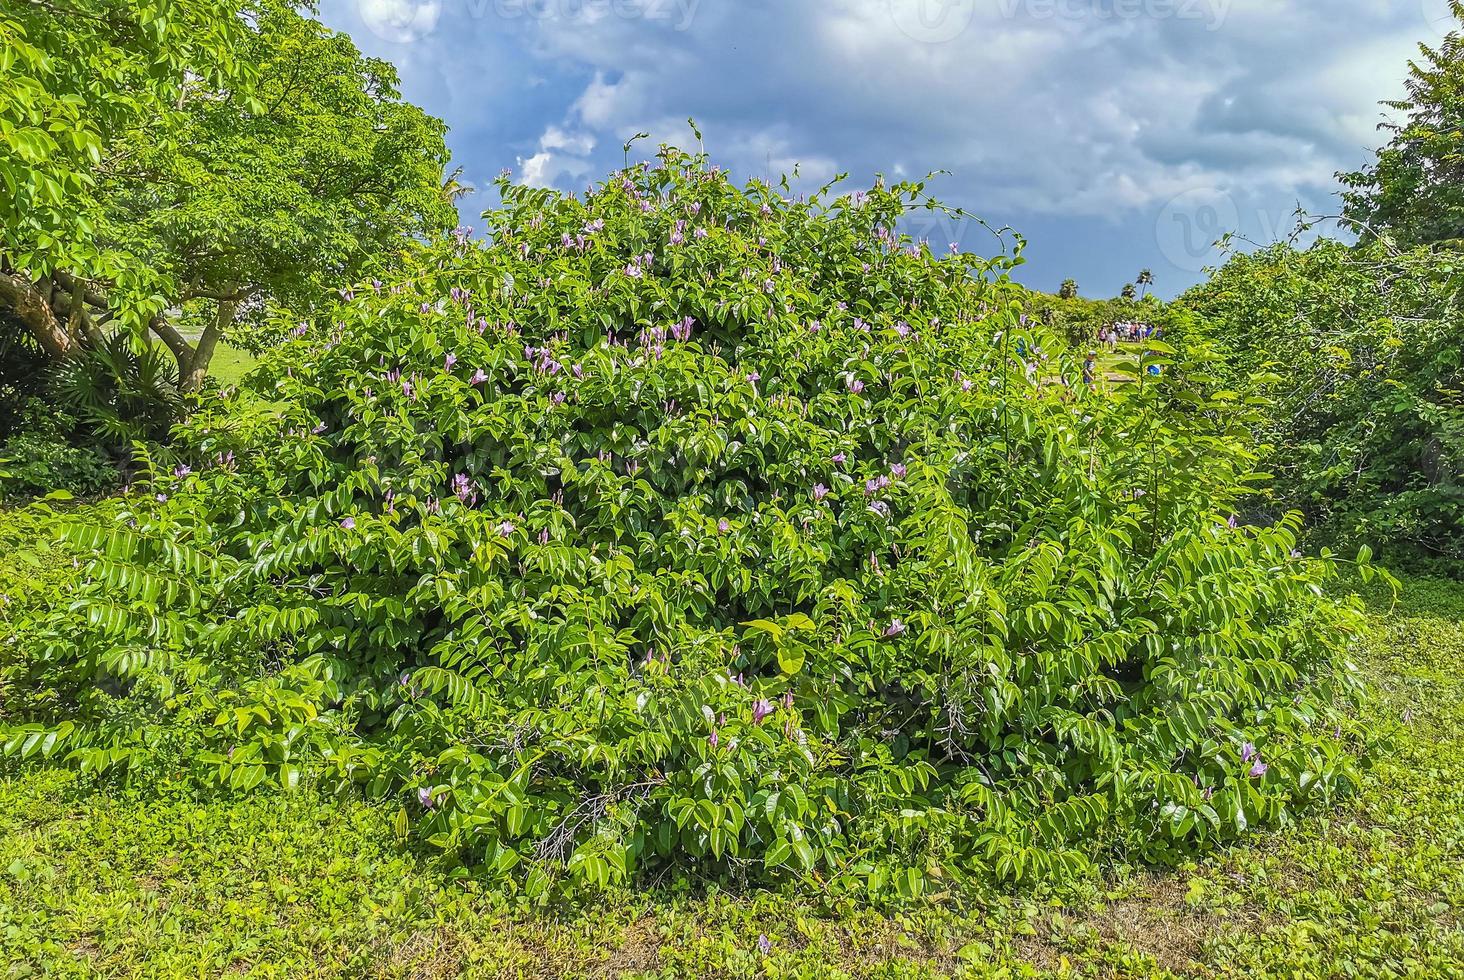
(691, 576)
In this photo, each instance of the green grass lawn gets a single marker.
(162, 881)
(229, 364)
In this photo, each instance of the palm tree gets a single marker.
(1128, 292)
(1146, 279)
(1068, 289)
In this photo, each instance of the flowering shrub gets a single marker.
(684, 525)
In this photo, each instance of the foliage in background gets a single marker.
(687, 528)
(74, 80)
(1078, 320)
(268, 196)
(1414, 192)
(189, 163)
(43, 455)
(1365, 348)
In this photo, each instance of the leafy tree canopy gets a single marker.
(1363, 348)
(1414, 191)
(229, 194)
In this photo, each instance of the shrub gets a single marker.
(1365, 431)
(688, 526)
(40, 458)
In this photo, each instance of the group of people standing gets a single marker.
(1129, 331)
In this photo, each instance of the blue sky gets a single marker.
(1113, 134)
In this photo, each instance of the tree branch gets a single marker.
(31, 308)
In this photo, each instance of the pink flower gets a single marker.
(723, 527)
(479, 376)
(712, 739)
(837, 458)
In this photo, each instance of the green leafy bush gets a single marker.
(1361, 346)
(688, 526)
(40, 457)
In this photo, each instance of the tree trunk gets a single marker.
(203, 353)
(182, 350)
(31, 308)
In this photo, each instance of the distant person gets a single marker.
(1090, 367)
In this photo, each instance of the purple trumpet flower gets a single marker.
(723, 527)
(1258, 769)
(854, 385)
(1248, 752)
(712, 739)
(449, 361)
(349, 523)
(764, 945)
(820, 491)
(479, 376)
(898, 471)
(424, 797)
(505, 529)
(837, 458)
(895, 628)
(761, 708)
(181, 470)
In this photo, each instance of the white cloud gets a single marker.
(1075, 110)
